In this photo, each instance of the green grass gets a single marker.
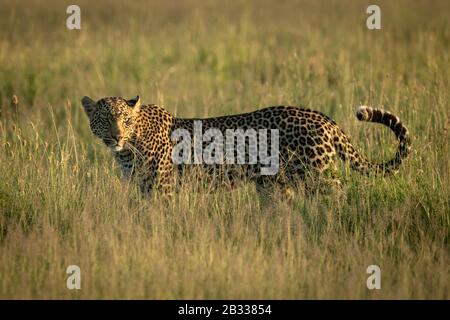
(62, 201)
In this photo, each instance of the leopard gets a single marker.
(309, 144)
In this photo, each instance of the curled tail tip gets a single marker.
(363, 113)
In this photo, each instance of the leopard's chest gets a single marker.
(126, 161)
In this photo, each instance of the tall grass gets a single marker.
(62, 201)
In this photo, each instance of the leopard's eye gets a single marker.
(127, 122)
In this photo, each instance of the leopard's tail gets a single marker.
(357, 161)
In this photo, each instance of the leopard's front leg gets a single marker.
(156, 174)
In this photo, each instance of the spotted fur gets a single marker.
(309, 141)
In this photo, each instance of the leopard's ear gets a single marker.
(134, 102)
(89, 105)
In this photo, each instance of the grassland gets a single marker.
(62, 201)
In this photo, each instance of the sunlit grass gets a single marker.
(62, 201)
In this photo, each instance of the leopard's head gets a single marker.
(112, 119)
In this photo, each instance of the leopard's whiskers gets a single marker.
(134, 150)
